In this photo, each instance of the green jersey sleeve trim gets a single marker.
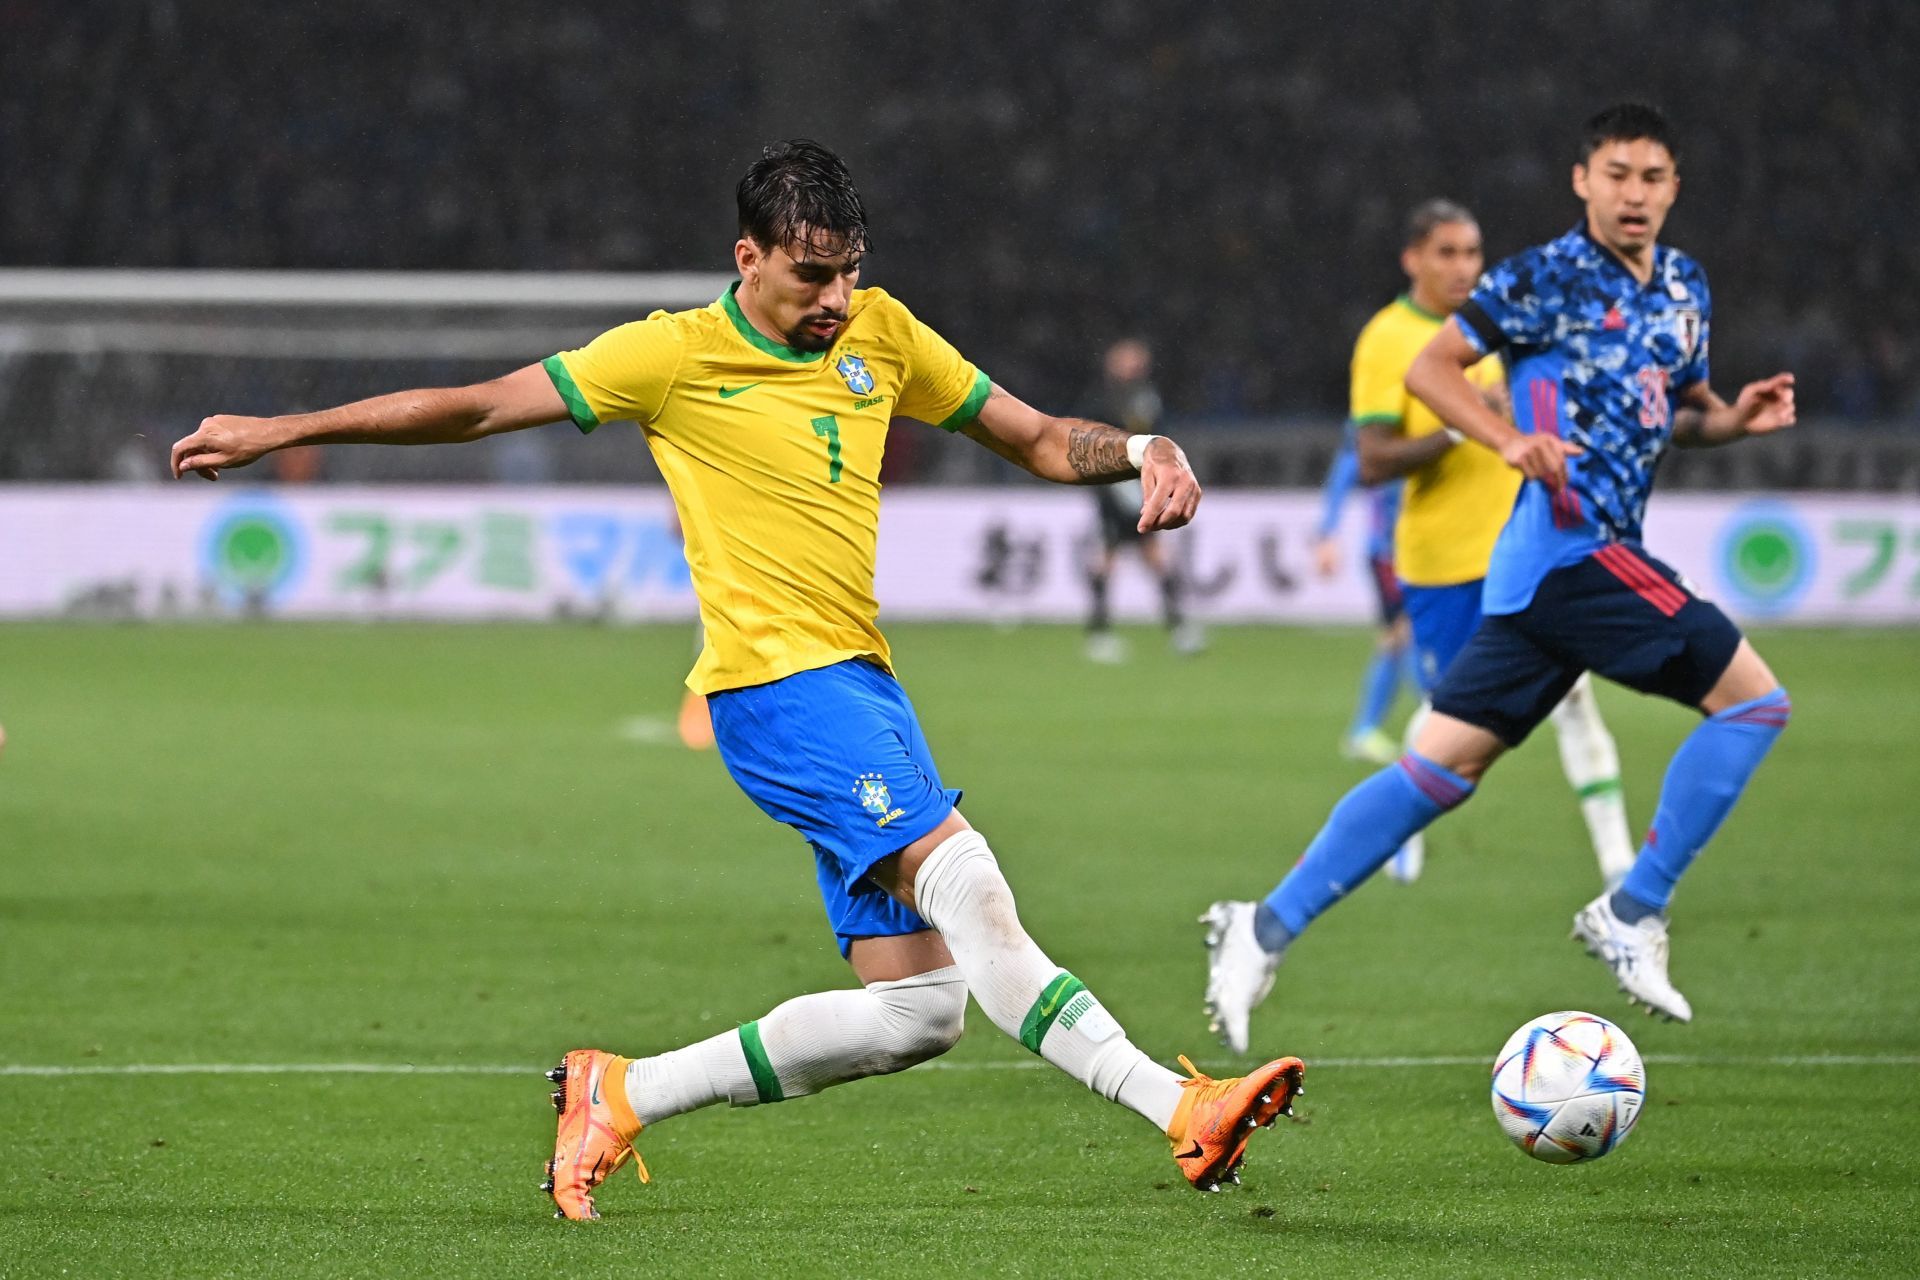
(577, 407)
(1377, 420)
(970, 407)
(744, 327)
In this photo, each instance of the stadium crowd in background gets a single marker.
(1222, 180)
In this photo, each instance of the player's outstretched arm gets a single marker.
(1438, 376)
(1705, 420)
(440, 415)
(1387, 454)
(1076, 451)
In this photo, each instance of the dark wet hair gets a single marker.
(1628, 122)
(1429, 214)
(799, 196)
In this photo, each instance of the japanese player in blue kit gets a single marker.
(1605, 333)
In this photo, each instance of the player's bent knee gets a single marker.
(1465, 749)
(925, 1015)
(1746, 679)
(1771, 710)
(959, 883)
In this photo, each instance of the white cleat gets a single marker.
(1410, 860)
(1106, 648)
(1372, 746)
(1188, 639)
(1239, 971)
(1637, 954)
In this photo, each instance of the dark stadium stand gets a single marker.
(1227, 179)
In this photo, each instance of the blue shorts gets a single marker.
(1443, 620)
(837, 754)
(1618, 612)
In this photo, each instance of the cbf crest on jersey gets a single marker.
(870, 789)
(872, 792)
(853, 371)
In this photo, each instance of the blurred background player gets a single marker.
(1392, 661)
(1457, 497)
(1608, 332)
(1126, 396)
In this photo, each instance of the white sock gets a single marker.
(1592, 765)
(960, 891)
(667, 1084)
(810, 1043)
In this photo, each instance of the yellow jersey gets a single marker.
(773, 458)
(1452, 509)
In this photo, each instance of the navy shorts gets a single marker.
(837, 754)
(1119, 507)
(1620, 613)
(1386, 589)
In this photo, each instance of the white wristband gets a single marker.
(1455, 434)
(1137, 450)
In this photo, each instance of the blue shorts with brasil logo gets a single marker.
(837, 754)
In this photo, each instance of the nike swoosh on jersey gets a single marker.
(728, 393)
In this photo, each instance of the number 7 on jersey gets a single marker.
(828, 428)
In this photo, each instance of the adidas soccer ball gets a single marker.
(1568, 1087)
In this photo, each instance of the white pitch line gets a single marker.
(650, 731)
(61, 1071)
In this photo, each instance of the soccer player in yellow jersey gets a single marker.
(1457, 498)
(767, 413)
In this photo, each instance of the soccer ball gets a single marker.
(1568, 1087)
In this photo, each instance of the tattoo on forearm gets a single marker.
(1097, 452)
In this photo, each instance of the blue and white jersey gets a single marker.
(1597, 358)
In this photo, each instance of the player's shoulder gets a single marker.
(1549, 274)
(665, 327)
(874, 315)
(1387, 329)
(1683, 272)
(878, 311)
(1562, 256)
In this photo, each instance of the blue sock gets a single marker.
(1706, 776)
(1369, 823)
(1377, 688)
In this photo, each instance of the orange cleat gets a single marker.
(1216, 1117)
(597, 1129)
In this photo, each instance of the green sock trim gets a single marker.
(765, 1082)
(1048, 1008)
(1608, 787)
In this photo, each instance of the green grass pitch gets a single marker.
(458, 848)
